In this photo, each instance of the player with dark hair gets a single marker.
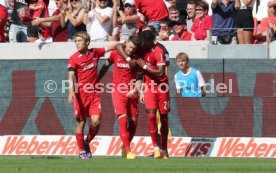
(156, 91)
(83, 66)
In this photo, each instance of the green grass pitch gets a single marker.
(53, 164)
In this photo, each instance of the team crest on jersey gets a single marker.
(76, 112)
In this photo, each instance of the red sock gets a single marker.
(124, 133)
(80, 141)
(93, 131)
(164, 131)
(132, 125)
(153, 128)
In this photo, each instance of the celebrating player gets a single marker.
(82, 66)
(125, 96)
(156, 91)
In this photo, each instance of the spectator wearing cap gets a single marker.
(3, 20)
(224, 27)
(180, 27)
(191, 14)
(154, 10)
(128, 19)
(245, 22)
(202, 23)
(100, 20)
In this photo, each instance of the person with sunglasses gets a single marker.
(203, 22)
(99, 18)
(128, 19)
(72, 18)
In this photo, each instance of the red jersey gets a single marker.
(122, 73)
(185, 36)
(154, 10)
(153, 58)
(200, 27)
(86, 69)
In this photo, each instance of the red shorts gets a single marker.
(158, 100)
(85, 106)
(125, 105)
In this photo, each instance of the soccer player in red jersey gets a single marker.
(156, 89)
(156, 92)
(125, 96)
(82, 66)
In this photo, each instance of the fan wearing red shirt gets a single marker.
(180, 27)
(125, 96)
(156, 92)
(82, 66)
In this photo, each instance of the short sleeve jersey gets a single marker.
(122, 73)
(86, 68)
(153, 59)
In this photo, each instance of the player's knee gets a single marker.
(80, 124)
(96, 123)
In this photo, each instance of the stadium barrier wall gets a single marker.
(27, 108)
(141, 146)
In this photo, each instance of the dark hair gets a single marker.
(134, 39)
(192, 2)
(203, 4)
(147, 39)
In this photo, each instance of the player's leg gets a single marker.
(132, 117)
(95, 117)
(80, 113)
(80, 137)
(120, 103)
(151, 102)
(164, 108)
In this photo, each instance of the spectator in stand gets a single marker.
(271, 3)
(202, 23)
(267, 23)
(72, 18)
(245, 22)
(165, 31)
(180, 27)
(58, 33)
(18, 28)
(37, 9)
(224, 27)
(3, 20)
(173, 13)
(191, 14)
(100, 18)
(153, 10)
(128, 19)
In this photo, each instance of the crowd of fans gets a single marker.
(219, 21)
